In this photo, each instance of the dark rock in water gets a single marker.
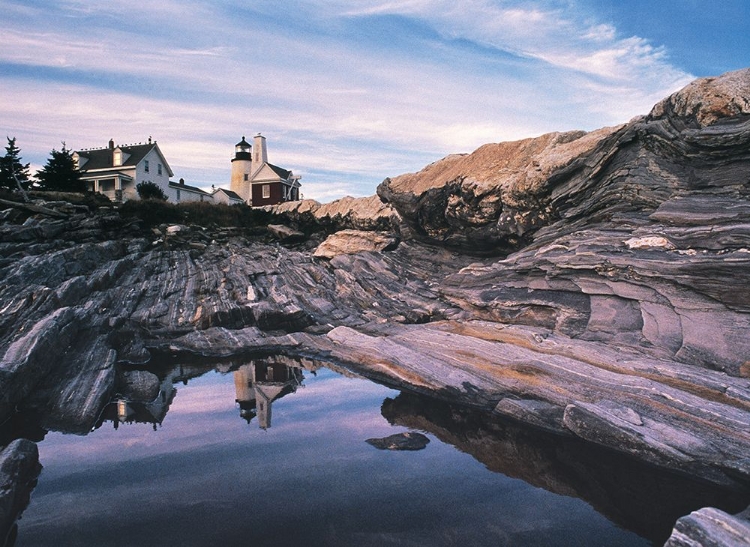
(19, 469)
(138, 385)
(409, 440)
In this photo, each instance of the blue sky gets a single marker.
(347, 92)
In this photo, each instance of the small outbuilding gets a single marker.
(222, 195)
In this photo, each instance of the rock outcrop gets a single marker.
(497, 199)
(604, 298)
(19, 469)
(492, 199)
(710, 527)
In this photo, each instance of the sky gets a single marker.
(346, 92)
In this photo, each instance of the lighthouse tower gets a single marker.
(242, 167)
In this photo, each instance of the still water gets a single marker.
(277, 456)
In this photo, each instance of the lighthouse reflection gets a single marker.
(259, 383)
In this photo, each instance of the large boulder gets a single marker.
(355, 241)
(493, 198)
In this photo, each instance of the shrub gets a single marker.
(150, 190)
(153, 212)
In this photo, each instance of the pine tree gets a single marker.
(10, 164)
(60, 173)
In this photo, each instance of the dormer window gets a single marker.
(117, 158)
(145, 166)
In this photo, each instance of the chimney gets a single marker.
(111, 144)
(261, 154)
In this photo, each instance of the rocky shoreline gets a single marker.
(592, 285)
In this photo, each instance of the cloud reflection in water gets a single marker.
(206, 476)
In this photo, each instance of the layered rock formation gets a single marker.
(605, 300)
(19, 468)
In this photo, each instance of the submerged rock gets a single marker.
(409, 440)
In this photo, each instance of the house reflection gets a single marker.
(133, 409)
(259, 383)
(127, 410)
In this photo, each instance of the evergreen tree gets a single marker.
(60, 173)
(10, 164)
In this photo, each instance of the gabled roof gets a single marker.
(229, 193)
(187, 187)
(283, 173)
(101, 158)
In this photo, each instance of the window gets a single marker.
(117, 158)
(266, 191)
(246, 176)
(145, 166)
(158, 168)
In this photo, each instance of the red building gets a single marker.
(256, 180)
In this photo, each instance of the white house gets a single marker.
(179, 192)
(222, 195)
(257, 181)
(115, 171)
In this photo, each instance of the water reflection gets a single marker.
(259, 383)
(638, 497)
(326, 428)
(125, 410)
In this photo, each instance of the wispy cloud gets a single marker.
(347, 92)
